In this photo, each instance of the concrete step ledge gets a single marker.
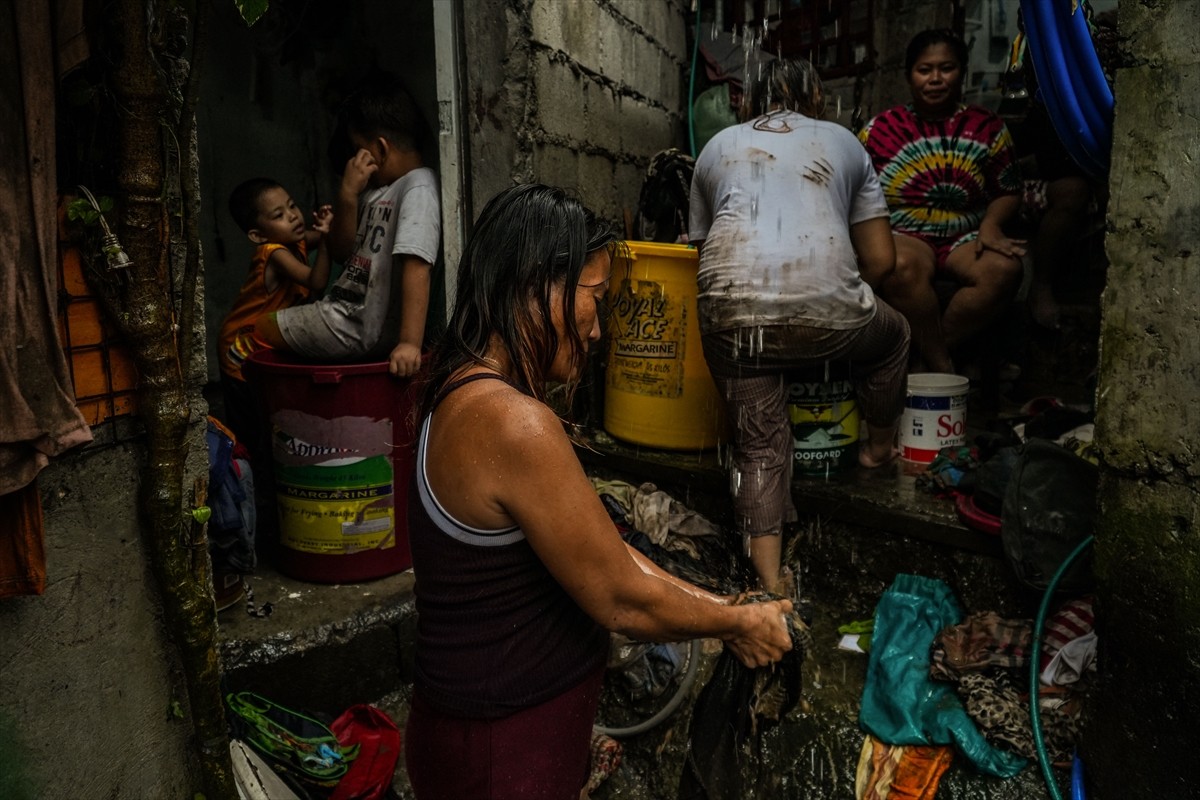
(324, 647)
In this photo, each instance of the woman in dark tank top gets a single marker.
(520, 573)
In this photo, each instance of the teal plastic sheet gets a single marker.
(901, 704)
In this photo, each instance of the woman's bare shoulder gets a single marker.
(501, 415)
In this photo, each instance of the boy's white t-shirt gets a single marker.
(774, 207)
(359, 316)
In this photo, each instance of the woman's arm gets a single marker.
(540, 484)
(991, 228)
(651, 568)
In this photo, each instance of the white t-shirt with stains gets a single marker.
(359, 316)
(774, 199)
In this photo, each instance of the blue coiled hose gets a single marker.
(1071, 81)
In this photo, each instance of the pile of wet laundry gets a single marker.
(941, 681)
(941, 684)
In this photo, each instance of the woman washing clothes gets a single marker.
(520, 573)
(950, 179)
(793, 232)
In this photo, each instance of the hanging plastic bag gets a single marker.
(376, 738)
(712, 112)
(1049, 508)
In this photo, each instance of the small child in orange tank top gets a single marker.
(279, 277)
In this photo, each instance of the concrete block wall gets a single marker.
(575, 93)
(1147, 550)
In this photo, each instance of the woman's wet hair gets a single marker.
(528, 240)
(934, 36)
(791, 84)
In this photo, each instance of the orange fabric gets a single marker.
(22, 545)
(237, 338)
(900, 772)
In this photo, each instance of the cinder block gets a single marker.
(556, 166)
(571, 26)
(606, 123)
(596, 187)
(560, 96)
(659, 19)
(645, 129)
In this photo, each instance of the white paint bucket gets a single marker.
(935, 415)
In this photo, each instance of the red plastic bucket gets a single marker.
(342, 448)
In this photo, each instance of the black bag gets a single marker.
(1049, 508)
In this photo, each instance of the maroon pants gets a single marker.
(540, 753)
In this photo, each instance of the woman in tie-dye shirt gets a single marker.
(949, 176)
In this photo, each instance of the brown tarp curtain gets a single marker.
(38, 418)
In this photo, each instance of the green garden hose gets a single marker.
(1034, 680)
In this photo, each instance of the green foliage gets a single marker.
(251, 10)
(81, 209)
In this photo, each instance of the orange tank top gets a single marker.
(237, 341)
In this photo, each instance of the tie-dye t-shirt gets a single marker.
(940, 175)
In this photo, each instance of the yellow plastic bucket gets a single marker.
(658, 390)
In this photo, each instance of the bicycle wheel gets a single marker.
(644, 685)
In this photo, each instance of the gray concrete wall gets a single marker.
(1148, 421)
(574, 93)
(88, 683)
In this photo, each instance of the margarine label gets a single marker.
(648, 345)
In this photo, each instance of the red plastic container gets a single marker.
(342, 447)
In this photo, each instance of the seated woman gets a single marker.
(520, 572)
(950, 179)
(793, 230)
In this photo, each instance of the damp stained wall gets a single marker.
(92, 701)
(1139, 743)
